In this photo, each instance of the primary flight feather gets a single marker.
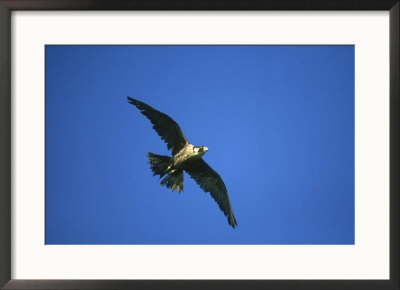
(185, 157)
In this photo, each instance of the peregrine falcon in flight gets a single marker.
(185, 157)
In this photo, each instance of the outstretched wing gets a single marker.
(211, 182)
(164, 125)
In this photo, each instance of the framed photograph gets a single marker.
(199, 144)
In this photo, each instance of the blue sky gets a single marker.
(278, 122)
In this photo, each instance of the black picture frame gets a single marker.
(5, 140)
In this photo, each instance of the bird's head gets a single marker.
(200, 150)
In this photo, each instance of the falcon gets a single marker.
(185, 157)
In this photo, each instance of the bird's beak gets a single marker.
(205, 149)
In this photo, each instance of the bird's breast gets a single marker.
(185, 154)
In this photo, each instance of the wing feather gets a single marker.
(210, 181)
(165, 126)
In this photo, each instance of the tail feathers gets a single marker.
(158, 163)
(174, 181)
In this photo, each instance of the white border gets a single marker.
(368, 259)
